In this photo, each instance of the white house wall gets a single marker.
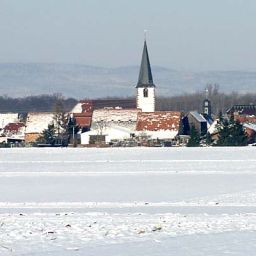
(111, 133)
(161, 134)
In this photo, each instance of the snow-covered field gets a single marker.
(128, 201)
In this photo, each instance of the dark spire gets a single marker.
(145, 77)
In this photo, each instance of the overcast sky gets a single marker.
(182, 34)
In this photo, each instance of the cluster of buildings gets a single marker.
(126, 122)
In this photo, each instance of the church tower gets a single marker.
(207, 108)
(145, 86)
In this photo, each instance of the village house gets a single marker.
(6, 118)
(242, 110)
(246, 115)
(15, 132)
(243, 113)
(110, 125)
(164, 125)
(36, 123)
(11, 128)
(198, 121)
(250, 130)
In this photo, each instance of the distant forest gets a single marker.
(40, 103)
(186, 102)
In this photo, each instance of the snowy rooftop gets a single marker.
(197, 116)
(115, 115)
(8, 118)
(245, 119)
(37, 122)
(250, 126)
(155, 121)
(82, 106)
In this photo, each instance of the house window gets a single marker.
(145, 92)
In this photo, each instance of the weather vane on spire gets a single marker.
(145, 34)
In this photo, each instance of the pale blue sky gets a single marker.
(183, 34)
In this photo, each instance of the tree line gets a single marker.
(186, 102)
(220, 101)
(39, 103)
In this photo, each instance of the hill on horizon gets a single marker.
(83, 81)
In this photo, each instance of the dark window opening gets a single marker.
(145, 92)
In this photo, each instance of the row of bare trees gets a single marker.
(185, 102)
(220, 101)
(39, 103)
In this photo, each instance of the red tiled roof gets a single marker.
(155, 121)
(85, 114)
(245, 119)
(13, 127)
(83, 119)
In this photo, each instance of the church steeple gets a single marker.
(145, 76)
(207, 108)
(145, 86)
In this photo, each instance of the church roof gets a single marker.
(155, 121)
(145, 76)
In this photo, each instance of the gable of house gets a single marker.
(6, 118)
(37, 122)
(14, 128)
(198, 121)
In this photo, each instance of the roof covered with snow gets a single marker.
(37, 122)
(83, 106)
(250, 126)
(155, 121)
(197, 116)
(90, 105)
(115, 115)
(7, 118)
(214, 127)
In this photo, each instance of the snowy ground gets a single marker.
(128, 201)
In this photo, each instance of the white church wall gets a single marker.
(146, 104)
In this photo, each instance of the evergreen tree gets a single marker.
(231, 133)
(72, 130)
(60, 121)
(194, 140)
(48, 135)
